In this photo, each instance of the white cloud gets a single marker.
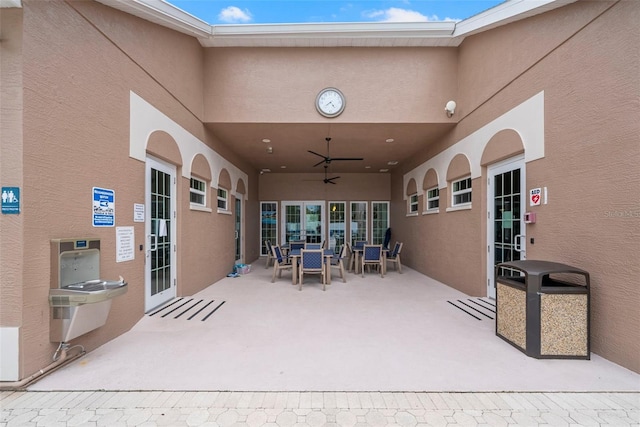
(394, 14)
(233, 14)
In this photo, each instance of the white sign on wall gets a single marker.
(138, 212)
(535, 195)
(125, 244)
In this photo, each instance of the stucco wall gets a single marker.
(81, 61)
(585, 58)
(278, 84)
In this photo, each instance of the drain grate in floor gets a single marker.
(190, 308)
(480, 308)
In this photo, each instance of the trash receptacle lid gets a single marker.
(539, 267)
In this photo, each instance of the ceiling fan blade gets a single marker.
(329, 182)
(319, 155)
(319, 163)
(346, 158)
(335, 177)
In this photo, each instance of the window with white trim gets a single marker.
(461, 192)
(223, 199)
(413, 203)
(198, 192)
(433, 199)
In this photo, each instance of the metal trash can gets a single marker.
(542, 308)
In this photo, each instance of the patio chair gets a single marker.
(313, 246)
(267, 243)
(295, 245)
(338, 262)
(280, 263)
(372, 255)
(394, 257)
(311, 262)
(351, 257)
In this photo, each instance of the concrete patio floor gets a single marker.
(391, 334)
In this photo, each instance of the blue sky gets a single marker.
(217, 12)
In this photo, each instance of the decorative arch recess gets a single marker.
(224, 179)
(458, 167)
(163, 146)
(503, 145)
(412, 188)
(525, 120)
(152, 131)
(200, 167)
(430, 179)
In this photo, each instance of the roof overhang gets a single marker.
(361, 34)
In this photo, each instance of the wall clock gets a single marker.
(330, 102)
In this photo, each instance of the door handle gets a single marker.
(153, 242)
(517, 244)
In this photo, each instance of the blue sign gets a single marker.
(104, 207)
(10, 200)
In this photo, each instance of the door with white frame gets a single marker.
(302, 221)
(238, 229)
(506, 237)
(160, 233)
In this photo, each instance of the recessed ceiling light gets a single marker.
(283, 167)
(266, 140)
(265, 170)
(389, 140)
(367, 167)
(392, 163)
(384, 170)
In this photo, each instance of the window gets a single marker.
(358, 221)
(222, 199)
(461, 192)
(433, 199)
(413, 203)
(380, 221)
(268, 224)
(337, 225)
(198, 192)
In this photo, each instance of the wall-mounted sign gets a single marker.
(10, 200)
(138, 212)
(535, 196)
(125, 244)
(104, 207)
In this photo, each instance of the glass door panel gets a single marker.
(268, 225)
(380, 221)
(358, 224)
(506, 231)
(337, 225)
(160, 231)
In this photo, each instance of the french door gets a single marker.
(160, 232)
(238, 231)
(505, 220)
(302, 221)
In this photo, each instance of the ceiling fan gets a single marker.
(328, 159)
(326, 180)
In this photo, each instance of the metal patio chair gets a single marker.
(312, 262)
(280, 263)
(394, 256)
(268, 245)
(372, 255)
(338, 263)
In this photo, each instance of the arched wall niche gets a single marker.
(201, 168)
(224, 179)
(412, 187)
(162, 145)
(503, 145)
(459, 167)
(430, 179)
(240, 188)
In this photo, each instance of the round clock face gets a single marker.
(330, 102)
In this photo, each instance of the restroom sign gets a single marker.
(104, 207)
(10, 200)
(534, 196)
